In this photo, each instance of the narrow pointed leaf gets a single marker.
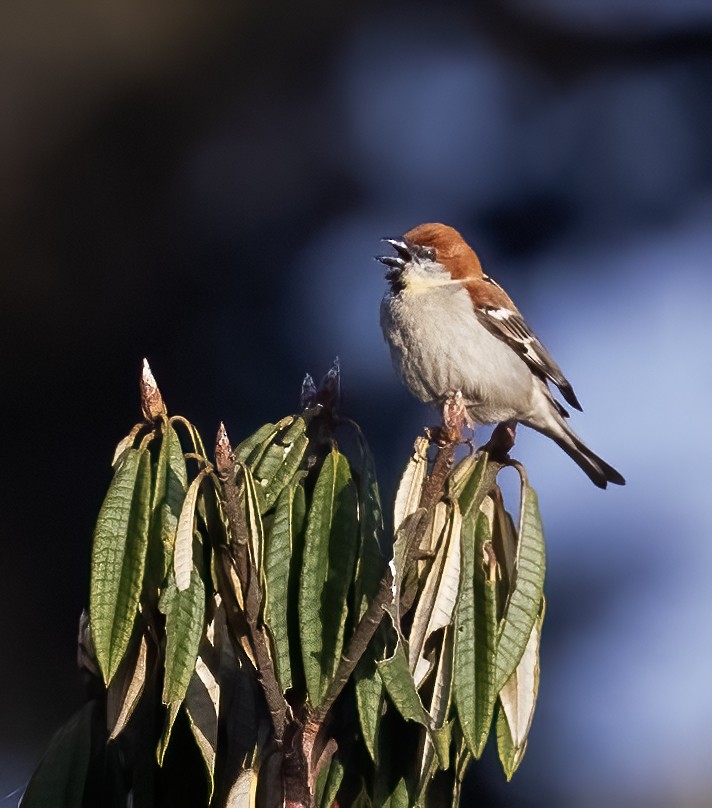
(466, 482)
(118, 559)
(251, 451)
(476, 634)
(369, 699)
(255, 528)
(437, 600)
(183, 554)
(171, 715)
(185, 618)
(328, 783)
(435, 747)
(398, 798)
(330, 543)
(168, 497)
(278, 553)
(510, 756)
(362, 800)
(248, 446)
(524, 602)
(370, 568)
(202, 705)
(243, 791)
(61, 775)
(132, 690)
(280, 462)
(401, 689)
(517, 701)
(271, 460)
(371, 564)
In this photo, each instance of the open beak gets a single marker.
(396, 262)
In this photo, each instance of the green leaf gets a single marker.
(524, 602)
(438, 597)
(168, 496)
(398, 798)
(280, 462)
(517, 701)
(476, 633)
(401, 688)
(369, 697)
(465, 482)
(327, 570)
(278, 553)
(183, 554)
(370, 568)
(362, 800)
(509, 756)
(171, 715)
(185, 618)
(328, 783)
(251, 451)
(60, 777)
(118, 559)
(255, 528)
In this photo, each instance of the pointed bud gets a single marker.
(152, 405)
(308, 393)
(223, 450)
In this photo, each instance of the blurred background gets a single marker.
(205, 184)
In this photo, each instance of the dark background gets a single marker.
(205, 184)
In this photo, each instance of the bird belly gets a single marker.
(439, 347)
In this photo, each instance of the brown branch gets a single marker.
(251, 591)
(433, 491)
(357, 645)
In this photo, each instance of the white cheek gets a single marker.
(421, 275)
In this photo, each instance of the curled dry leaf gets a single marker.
(125, 444)
(437, 600)
(411, 484)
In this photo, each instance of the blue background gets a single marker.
(206, 184)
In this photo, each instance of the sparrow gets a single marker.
(451, 328)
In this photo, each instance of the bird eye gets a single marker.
(429, 253)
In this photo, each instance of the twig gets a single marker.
(366, 628)
(251, 592)
(369, 623)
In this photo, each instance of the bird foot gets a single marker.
(455, 419)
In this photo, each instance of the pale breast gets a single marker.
(438, 346)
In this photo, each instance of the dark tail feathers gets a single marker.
(597, 469)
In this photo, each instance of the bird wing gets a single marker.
(500, 317)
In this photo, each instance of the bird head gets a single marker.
(430, 254)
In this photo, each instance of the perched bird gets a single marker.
(452, 328)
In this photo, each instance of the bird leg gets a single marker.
(502, 440)
(455, 418)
